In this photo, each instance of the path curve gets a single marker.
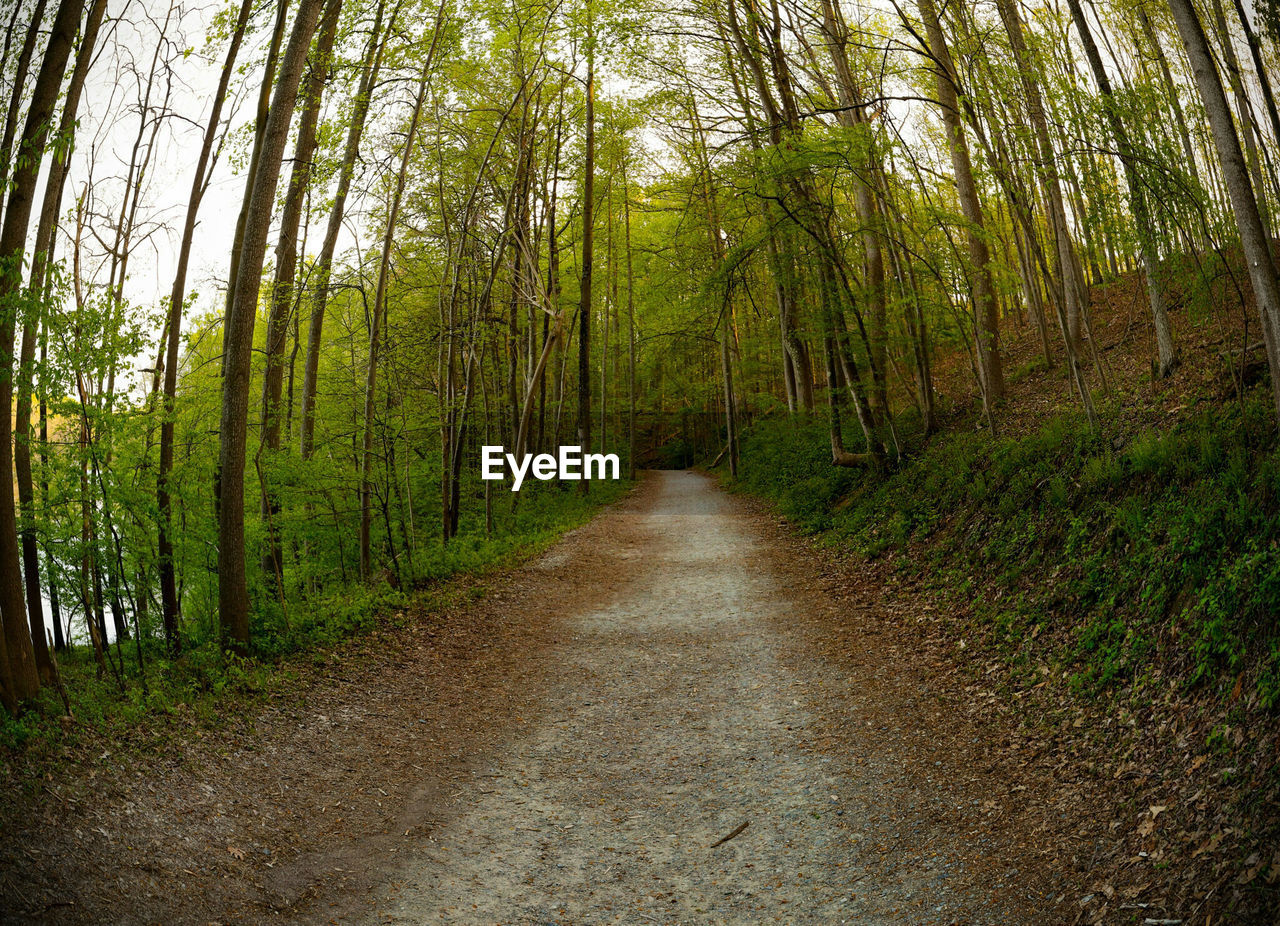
(567, 748)
(673, 720)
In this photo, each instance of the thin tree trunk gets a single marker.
(631, 329)
(233, 587)
(797, 364)
(1244, 112)
(324, 263)
(1069, 291)
(49, 208)
(1168, 355)
(170, 604)
(588, 256)
(553, 281)
(1253, 239)
(379, 304)
(1262, 72)
(23, 682)
(282, 301)
(1171, 91)
(986, 312)
(730, 406)
(810, 216)
(851, 115)
(55, 608)
(21, 69)
(259, 136)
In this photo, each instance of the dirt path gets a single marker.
(675, 719)
(567, 750)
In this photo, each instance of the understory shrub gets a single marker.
(1160, 545)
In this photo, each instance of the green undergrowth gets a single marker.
(1136, 550)
(204, 687)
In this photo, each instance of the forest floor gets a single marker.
(570, 745)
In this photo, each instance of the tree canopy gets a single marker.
(274, 272)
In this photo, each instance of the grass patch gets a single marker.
(1162, 548)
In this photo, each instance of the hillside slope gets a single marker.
(1117, 591)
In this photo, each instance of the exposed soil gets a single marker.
(570, 748)
(1174, 788)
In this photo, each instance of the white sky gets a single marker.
(109, 126)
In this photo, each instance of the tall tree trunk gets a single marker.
(31, 327)
(797, 366)
(1244, 111)
(55, 608)
(852, 115)
(1069, 289)
(324, 262)
(986, 311)
(1253, 239)
(379, 303)
(1168, 355)
(631, 328)
(170, 605)
(730, 405)
(1171, 91)
(588, 256)
(233, 587)
(904, 270)
(764, 38)
(553, 320)
(21, 69)
(259, 136)
(553, 283)
(24, 682)
(282, 293)
(90, 591)
(723, 334)
(1261, 70)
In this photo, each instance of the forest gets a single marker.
(985, 295)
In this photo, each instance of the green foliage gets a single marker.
(1165, 547)
(204, 683)
(792, 465)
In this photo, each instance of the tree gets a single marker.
(23, 682)
(588, 248)
(370, 68)
(282, 293)
(986, 310)
(233, 588)
(1235, 172)
(49, 208)
(20, 71)
(170, 605)
(1137, 195)
(380, 302)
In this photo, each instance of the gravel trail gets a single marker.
(566, 742)
(672, 721)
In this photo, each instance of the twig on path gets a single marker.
(736, 830)
(1204, 900)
